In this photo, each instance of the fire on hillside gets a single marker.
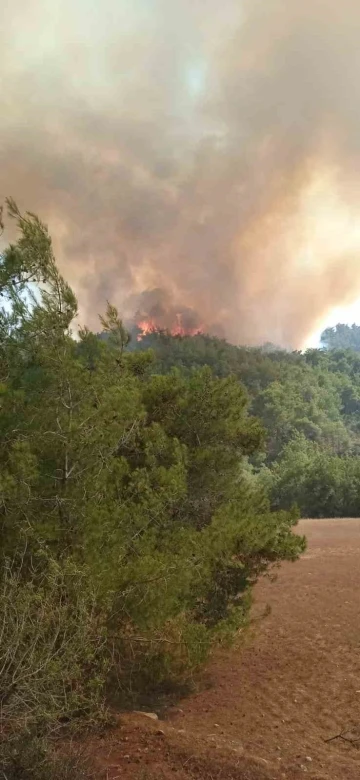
(177, 327)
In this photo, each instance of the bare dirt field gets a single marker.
(275, 706)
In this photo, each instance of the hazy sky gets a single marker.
(191, 156)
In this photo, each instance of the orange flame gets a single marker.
(176, 329)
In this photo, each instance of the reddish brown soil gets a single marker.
(274, 702)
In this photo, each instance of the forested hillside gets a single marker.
(145, 486)
(309, 405)
(132, 526)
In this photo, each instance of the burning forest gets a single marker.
(155, 312)
(176, 328)
(209, 152)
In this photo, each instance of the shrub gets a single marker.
(52, 644)
(29, 757)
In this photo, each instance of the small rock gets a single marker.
(160, 733)
(308, 758)
(150, 715)
(172, 712)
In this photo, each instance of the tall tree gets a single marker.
(122, 486)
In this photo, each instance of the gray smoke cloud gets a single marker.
(201, 156)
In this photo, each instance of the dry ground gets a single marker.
(273, 703)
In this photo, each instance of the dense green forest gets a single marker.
(308, 404)
(133, 523)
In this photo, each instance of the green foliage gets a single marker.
(132, 524)
(320, 483)
(303, 405)
(342, 337)
(29, 757)
(52, 642)
(113, 327)
(308, 404)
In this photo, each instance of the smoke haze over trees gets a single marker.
(342, 337)
(203, 157)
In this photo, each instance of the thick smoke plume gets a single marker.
(199, 155)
